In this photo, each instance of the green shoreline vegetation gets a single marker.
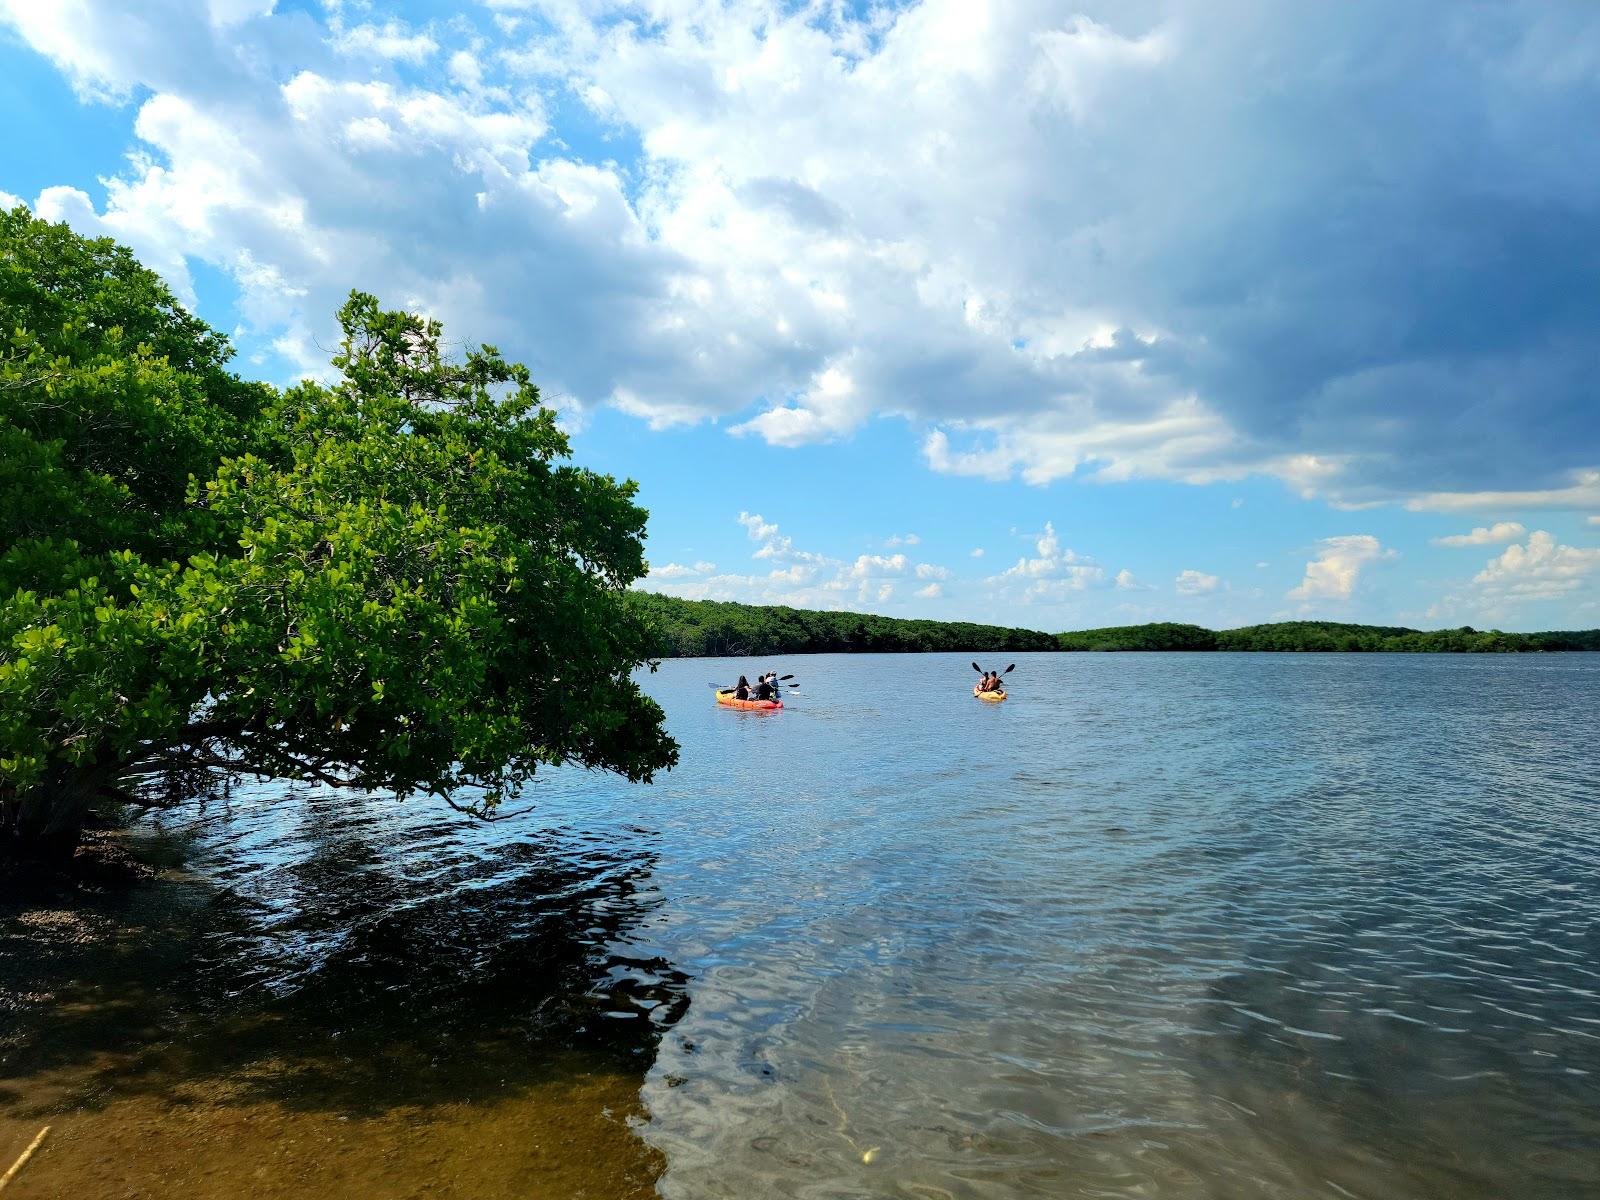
(378, 582)
(714, 628)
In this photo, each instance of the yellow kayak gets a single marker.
(992, 697)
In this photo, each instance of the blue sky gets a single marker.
(1052, 314)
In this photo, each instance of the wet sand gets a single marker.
(211, 1141)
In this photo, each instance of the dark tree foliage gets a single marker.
(1333, 636)
(712, 628)
(392, 582)
(1162, 636)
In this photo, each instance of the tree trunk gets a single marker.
(41, 827)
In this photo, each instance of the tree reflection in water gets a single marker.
(466, 1005)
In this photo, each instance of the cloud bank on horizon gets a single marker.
(1352, 248)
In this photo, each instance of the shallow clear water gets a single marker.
(1159, 925)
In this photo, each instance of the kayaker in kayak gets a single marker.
(766, 689)
(741, 690)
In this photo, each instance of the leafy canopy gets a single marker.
(395, 581)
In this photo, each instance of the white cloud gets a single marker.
(830, 407)
(799, 577)
(1582, 492)
(1126, 581)
(392, 40)
(1594, 520)
(909, 539)
(1053, 558)
(759, 529)
(959, 214)
(1179, 440)
(679, 571)
(1542, 570)
(1055, 575)
(795, 574)
(877, 566)
(1194, 583)
(1334, 573)
(978, 551)
(1500, 531)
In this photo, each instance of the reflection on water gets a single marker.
(1167, 926)
(379, 998)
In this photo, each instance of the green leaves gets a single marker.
(375, 582)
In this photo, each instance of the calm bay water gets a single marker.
(1160, 926)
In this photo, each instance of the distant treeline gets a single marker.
(714, 628)
(1326, 635)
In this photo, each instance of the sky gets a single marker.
(1049, 314)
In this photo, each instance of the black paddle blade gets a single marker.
(781, 678)
(977, 668)
(1011, 668)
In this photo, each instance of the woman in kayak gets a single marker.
(741, 690)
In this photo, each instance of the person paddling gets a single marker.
(741, 690)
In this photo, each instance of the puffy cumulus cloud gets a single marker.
(779, 549)
(1053, 558)
(1103, 242)
(1541, 570)
(759, 529)
(1484, 535)
(302, 171)
(1052, 576)
(1195, 583)
(789, 574)
(909, 539)
(680, 571)
(391, 40)
(1126, 582)
(831, 406)
(1334, 573)
(1154, 240)
(877, 566)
